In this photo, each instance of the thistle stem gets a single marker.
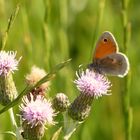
(47, 32)
(12, 118)
(15, 127)
(69, 126)
(98, 24)
(126, 94)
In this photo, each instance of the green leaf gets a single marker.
(56, 134)
(28, 89)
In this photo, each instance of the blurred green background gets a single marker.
(47, 32)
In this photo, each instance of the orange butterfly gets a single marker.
(107, 59)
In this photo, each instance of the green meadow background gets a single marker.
(47, 32)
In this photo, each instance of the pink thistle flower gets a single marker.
(37, 112)
(8, 63)
(92, 83)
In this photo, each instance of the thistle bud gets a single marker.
(79, 110)
(61, 102)
(8, 90)
(32, 133)
(8, 64)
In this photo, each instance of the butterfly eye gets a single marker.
(105, 40)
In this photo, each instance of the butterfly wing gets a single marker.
(106, 45)
(116, 64)
(107, 59)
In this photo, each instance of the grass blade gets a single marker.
(28, 89)
(10, 23)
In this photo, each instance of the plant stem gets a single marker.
(16, 129)
(126, 94)
(98, 24)
(10, 23)
(47, 32)
(63, 40)
(63, 18)
(69, 126)
(13, 118)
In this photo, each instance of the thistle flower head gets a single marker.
(8, 62)
(92, 83)
(37, 112)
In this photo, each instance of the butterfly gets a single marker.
(107, 59)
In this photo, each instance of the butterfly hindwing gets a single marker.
(114, 64)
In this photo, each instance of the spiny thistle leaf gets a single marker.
(28, 89)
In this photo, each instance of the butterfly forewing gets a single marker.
(106, 45)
